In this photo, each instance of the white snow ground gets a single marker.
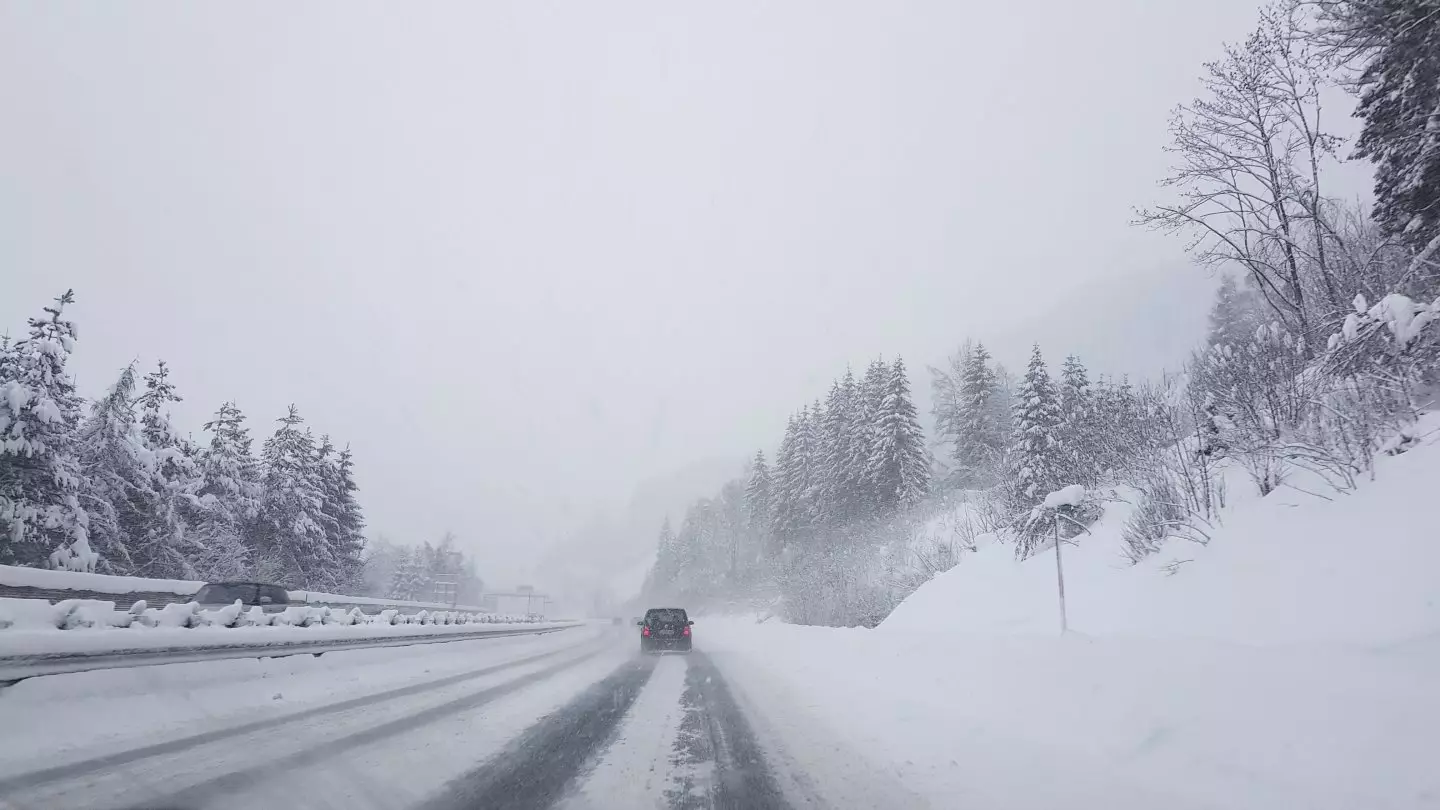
(62, 719)
(1291, 662)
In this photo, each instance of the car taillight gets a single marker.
(686, 632)
(645, 631)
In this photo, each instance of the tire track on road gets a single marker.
(538, 768)
(201, 794)
(73, 770)
(715, 733)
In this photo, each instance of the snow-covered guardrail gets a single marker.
(73, 614)
(17, 582)
(29, 654)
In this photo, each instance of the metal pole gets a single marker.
(1060, 577)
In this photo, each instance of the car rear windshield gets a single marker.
(665, 616)
(226, 593)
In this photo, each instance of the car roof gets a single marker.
(651, 610)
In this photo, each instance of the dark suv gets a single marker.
(665, 629)
(271, 598)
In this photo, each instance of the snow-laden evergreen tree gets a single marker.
(789, 484)
(899, 465)
(1397, 42)
(410, 582)
(759, 502)
(343, 515)
(291, 531)
(1037, 460)
(158, 542)
(811, 446)
(871, 396)
(1232, 316)
(945, 398)
(980, 426)
(229, 498)
(118, 491)
(1079, 427)
(40, 477)
(796, 472)
(839, 480)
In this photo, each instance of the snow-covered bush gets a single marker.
(86, 613)
(175, 614)
(298, 616)
(227, 616)
(255, 617)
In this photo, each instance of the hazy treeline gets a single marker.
(1318, 354)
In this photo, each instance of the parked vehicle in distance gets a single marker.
(272, 598)
(665, 629)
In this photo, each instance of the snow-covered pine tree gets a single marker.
(945, 408)
(789, 477)
(759, 503)
(1398, 44)
(343, 513)
(871, 395)
(1036, 456)
(229, 498)
(899, 465)
(398, 587)
(812, 448)
(850, 463)
(410, 582)
(118, 490)
(291, 531)
(159, 543)
(838, 480)
(1079, 427)
(1232, 316)
(980, 424)
(40, 477)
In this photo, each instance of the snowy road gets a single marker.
(575, 720)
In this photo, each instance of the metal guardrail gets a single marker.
(15, 668)
(123, 601)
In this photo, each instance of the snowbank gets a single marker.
(45, 580)
(1028, 722)
(16, 642)
(18, 577)
(1290, 662)
(1356, 567)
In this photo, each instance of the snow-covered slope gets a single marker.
(1290, 662)
(1355, 567)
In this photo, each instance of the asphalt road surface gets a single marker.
(588, 725)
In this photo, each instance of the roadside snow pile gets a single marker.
(1082, 722)
(1354, 567)
(71, 614)
(41, 580)
(19, 577)
(18, 645)
(1290, 662)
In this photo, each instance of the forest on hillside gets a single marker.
(1318, 355)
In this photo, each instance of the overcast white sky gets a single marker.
(522, 255)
